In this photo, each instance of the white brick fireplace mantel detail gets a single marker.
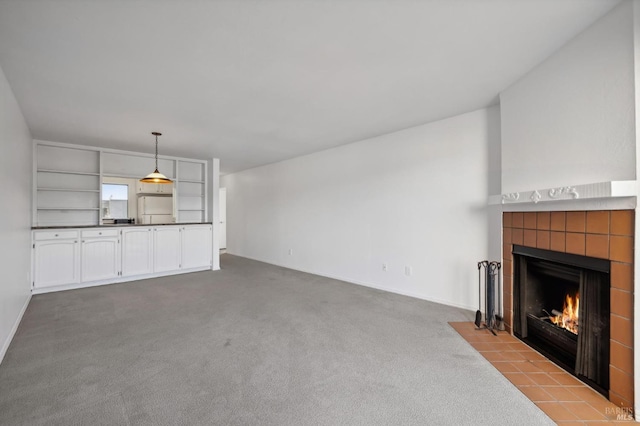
(592, 191)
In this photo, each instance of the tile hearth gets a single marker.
(565, 399)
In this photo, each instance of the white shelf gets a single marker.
(123, 176)
(68, 190)
(191, 181)
(600, 190)
(67, 172)
(68, 208)
(190, 210)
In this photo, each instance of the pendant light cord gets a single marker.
(156, 176)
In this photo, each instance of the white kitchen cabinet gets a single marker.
(137, 251)
(56, 258)
(100, 255)
(68, 258)
(167, 248)
(154, 188)
(197, 243)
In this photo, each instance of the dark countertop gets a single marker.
(118, 225)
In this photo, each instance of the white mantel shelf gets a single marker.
(591, 191)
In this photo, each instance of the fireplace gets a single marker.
(561, 308)
(603, 235)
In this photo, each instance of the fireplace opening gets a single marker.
(561, 308)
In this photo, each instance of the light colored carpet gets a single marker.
(252, 344)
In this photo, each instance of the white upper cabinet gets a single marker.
(154, 188)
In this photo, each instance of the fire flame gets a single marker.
(569, 318)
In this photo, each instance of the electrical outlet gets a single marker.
(408, 270)
(290, 252)
(384, 267)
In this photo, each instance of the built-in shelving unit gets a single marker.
(191, 190)
(68, 182)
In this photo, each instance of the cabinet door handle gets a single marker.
(56, 235)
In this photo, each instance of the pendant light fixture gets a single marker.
(156, 176)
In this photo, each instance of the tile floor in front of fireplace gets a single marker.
(566, 400)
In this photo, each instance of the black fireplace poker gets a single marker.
(493, 319)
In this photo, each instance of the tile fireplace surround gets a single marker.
(602, 234)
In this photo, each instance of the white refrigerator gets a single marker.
(155, 210)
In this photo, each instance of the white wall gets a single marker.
(414, 198)
(571, 119)
(494, 218)
(15, 226)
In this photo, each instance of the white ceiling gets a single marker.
(254, 82)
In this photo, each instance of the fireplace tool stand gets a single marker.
(493, 319)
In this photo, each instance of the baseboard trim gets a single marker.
(367, 284)
(14, 329)
(124, 279)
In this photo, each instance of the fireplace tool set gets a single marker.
(493, 319)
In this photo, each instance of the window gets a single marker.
(115, 204)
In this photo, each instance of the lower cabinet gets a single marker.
(99, 255)
(137, 251)
(197, 243)
(166, 248)
(56, 259)
(182, 247)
